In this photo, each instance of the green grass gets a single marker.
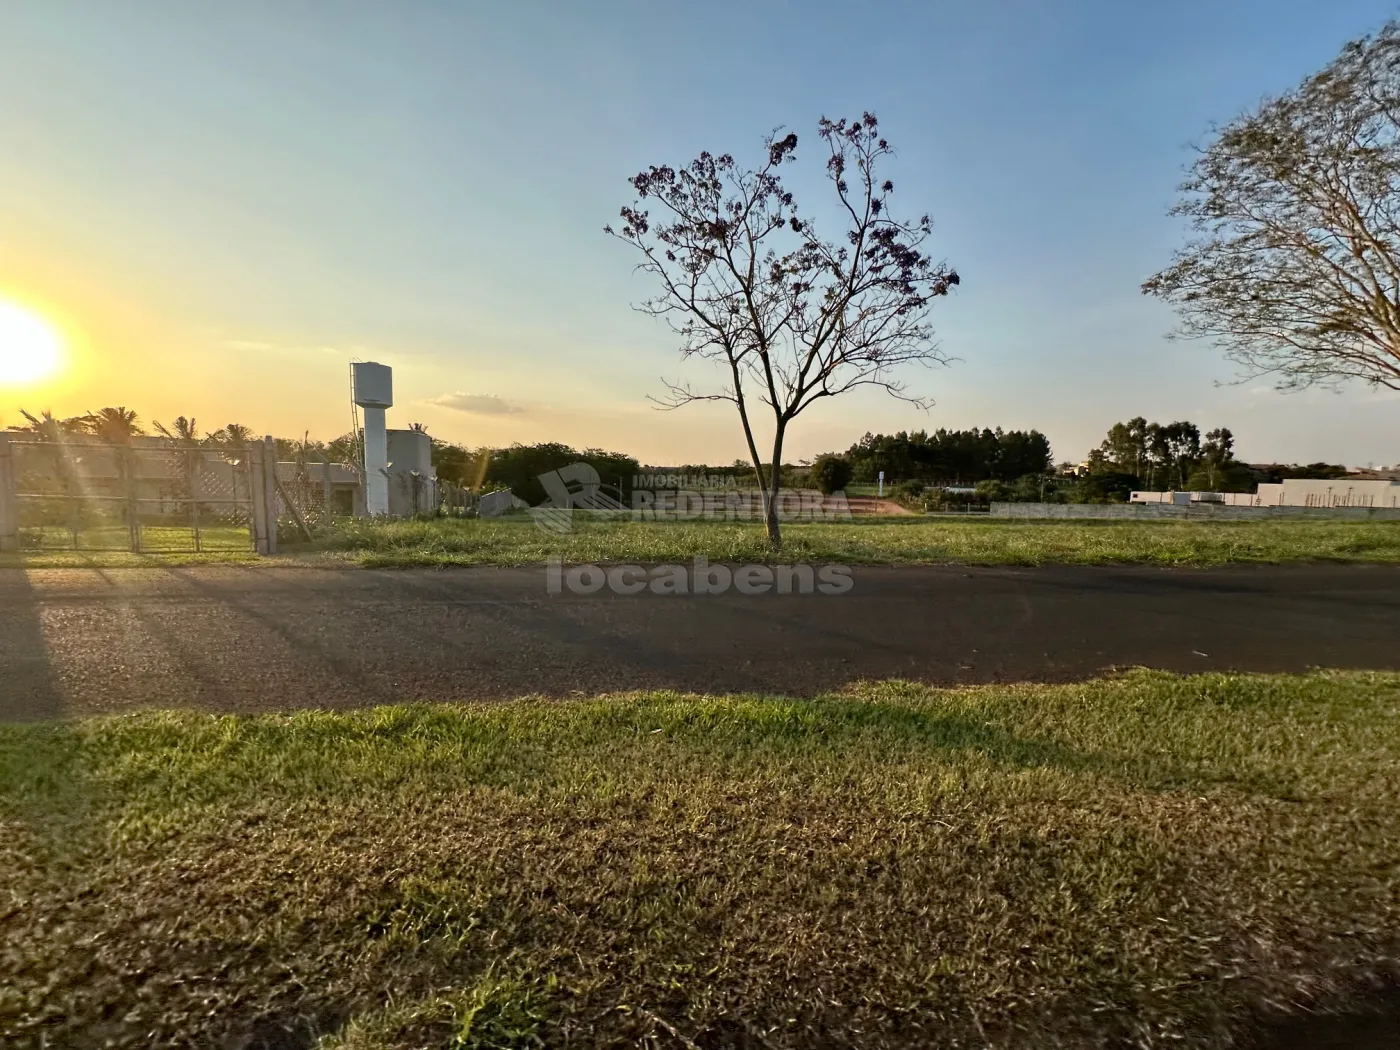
(105, 546)
(1133, 861)
(877, 541)
(886, 541)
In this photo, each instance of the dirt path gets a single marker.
(873, 505)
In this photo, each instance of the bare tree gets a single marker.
(1294, 269)
(749, 284)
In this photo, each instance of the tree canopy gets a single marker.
(751, 286)
(1294, 265)
(1171, 456)
(951, 457)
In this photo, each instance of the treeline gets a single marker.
(950, 457)
(119, 425)
(518, 467)
(1160, 457)
(919, 467)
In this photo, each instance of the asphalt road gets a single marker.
(241, 638)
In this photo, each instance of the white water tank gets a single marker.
(374, 392)
(374, 384)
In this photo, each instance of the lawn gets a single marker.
(874, 541)
(1143, 860)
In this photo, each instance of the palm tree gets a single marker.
(234, 435)
(182, 431)
(234, 439)
(116, 426)
(186, 468)
(57, 479)
(49, 428)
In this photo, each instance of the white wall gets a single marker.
(1335, 492)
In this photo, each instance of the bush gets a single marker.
(1105, 487)
(829, 474)
(993, 491)
(518, 468)
(1229, 477)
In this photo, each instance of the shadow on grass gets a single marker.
(903, 731)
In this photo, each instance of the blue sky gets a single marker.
(225, 202)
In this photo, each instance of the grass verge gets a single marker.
(878, 541)
(1132, 861)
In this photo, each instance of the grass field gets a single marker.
(883, 540)
(1133, 861)
(878, 541)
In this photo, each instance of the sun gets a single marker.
(30, 347)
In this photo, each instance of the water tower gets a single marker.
(374, 392)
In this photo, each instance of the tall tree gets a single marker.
(1128, 447)
(1156, 454)
(749, 284)
(1294, 269)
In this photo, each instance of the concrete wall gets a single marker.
(411, 451)
(1195, 512)
(1227, 499)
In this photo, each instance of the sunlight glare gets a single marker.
(30, 347)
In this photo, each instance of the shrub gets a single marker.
(829, 473)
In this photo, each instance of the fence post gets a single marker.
(257, 496)
(127, 455)
(193, 464)
(9, 503)
(325, 490)
(270, 491)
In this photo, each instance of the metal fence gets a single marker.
(82, 494)
(86, 495)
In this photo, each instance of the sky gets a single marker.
(221, 205)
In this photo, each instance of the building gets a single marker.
(1295, 492)
(1330, 492)
(1186, 499)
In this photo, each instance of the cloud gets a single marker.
(477, 404)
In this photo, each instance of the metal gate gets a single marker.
(86, 495)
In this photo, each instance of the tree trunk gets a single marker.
(771, 524)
